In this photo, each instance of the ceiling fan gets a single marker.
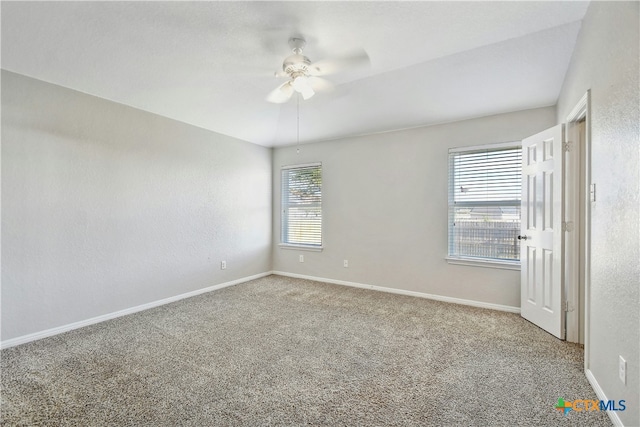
(304, 75)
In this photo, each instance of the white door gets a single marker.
(541, 231)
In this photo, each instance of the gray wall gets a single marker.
(385, 208)
(606, 61)
(105, 207)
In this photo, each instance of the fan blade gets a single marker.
(281, 94)
(332, 66)
(319, 84)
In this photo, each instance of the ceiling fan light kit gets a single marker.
(301, 85)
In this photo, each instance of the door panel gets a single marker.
(541, 231)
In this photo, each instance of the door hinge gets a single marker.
(566, 307)
(567, 146)
(567, 226)
(592, 192)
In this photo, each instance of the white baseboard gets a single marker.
(472, 303)
(71, 326)
(600, 393)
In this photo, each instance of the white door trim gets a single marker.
(581, 111)
(571, 230)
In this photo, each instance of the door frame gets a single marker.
(582, 237)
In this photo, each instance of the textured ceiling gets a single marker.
(211, 64)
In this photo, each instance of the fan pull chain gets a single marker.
(298, 124)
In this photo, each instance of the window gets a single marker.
(302, 206)
(484, 203)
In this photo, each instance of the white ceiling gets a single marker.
(211, 64)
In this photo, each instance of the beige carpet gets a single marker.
(281, 351)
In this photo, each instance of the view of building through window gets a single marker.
(484, 203)
(302, 205)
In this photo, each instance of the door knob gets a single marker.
(522, 237)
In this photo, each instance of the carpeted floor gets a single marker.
(281, 351)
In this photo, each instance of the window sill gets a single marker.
(473, 262)
(300, 247)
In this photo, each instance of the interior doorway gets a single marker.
(580, 193)
(556, 200)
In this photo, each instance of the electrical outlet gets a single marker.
(346, 263)
(622, 369)
(223, 265)
(301, 258)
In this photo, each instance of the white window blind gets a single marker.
(302, 205)
(484, 203)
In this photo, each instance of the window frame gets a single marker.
(468, 260)
(284, 206)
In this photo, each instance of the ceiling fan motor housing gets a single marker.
(296, 65)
